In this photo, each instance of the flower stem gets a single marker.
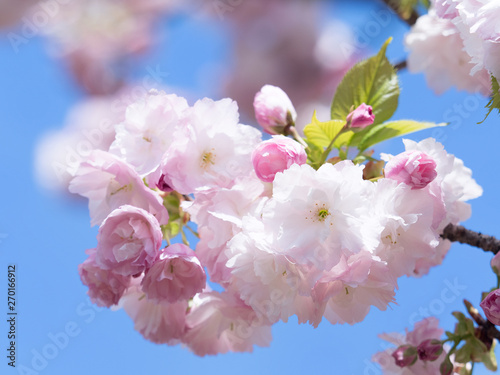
(291, 130)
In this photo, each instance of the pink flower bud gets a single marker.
(405, 355)
(491, 306)
(361, 117)
(176, 275)
(495, 264)
(413, 168)
(276, 155)
(273, 109)
(430, 350)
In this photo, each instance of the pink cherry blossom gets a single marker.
(412, 168)
(348, 290)
(317, 216)
(176, 275)
(212, 151)
(129, 241)
(105, 286)
(436, 48)
(161, 323)
(221, 323)
(276, 155)
(361, 117)
(491, 306)
(411, 220)
(273, 285)
(453, 179)
(273, 109)
(140, 140)
(219, 214)
(109, 183)
(477, 22)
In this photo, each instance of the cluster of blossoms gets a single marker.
(419, 352)
(281, 237)
(457, 44)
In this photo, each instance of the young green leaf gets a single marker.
(489, 359)
(320, 133)
(373, 82)
(495, 98)
(406, 7)
(378, 133)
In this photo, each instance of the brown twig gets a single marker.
(486, 326)
(401, 65)
(410, 20)
(457, 233)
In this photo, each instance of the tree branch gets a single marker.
(401, 65)
(411, 20)
(489, 330)
(457, 233)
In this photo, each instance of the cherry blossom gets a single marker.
(128, 241)
(109, 183)
(176, 275)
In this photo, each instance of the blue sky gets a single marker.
(45, 234)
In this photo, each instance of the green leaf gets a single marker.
(463, 355)
(489, 359)
(314, 154)
(172, 204)
(373, 82)
(478, 348)
(320, 133)
(465, 326)
(171, 229)
(378, 133)
(426, 3)
(406, 7)
(495, 98)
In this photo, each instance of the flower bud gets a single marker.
(276, 155)
(273, 109)
(413, 168)
(491, 306)
(495, 263)
(446, 368)
(430, 350)
(361, 117)
(405, 355)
